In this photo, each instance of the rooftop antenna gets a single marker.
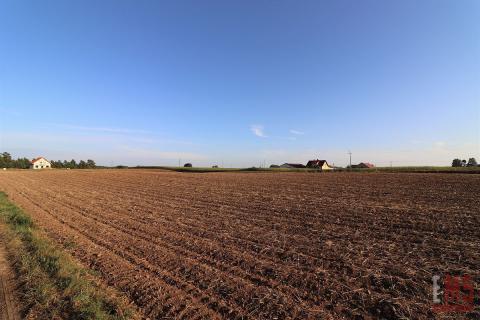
(350, 154)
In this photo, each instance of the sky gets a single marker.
(241, 83)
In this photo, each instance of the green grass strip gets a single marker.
(54, 286)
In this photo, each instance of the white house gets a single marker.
(319, 164)
(40, 163)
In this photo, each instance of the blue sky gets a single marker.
(240, 82)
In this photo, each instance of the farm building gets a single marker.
(319, 164)
(292, 165)
(363, 165)
(40, 163)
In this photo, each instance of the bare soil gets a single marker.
(8, 285)
(262, 245)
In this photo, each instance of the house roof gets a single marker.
(317, 162)
(36, 159)
(367, 164)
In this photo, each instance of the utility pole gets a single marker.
(350, 153)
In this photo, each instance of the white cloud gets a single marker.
(258, 131)
(10, 112)
(439, 144)
(296, 132)
(101, 129)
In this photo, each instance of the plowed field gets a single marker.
(262, 245)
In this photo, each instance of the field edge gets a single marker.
(410, 169)
(52, 283)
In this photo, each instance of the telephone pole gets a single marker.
(350, 154)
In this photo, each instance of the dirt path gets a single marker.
(8, 305)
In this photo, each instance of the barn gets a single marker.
(363, 165)
(40, 163)
(319, 164)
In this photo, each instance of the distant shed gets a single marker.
(363, 165)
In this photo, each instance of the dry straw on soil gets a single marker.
(262, 246)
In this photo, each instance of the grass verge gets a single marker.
(53, 285)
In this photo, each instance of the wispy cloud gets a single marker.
(258, 131)
(292, 131)
(155, 154)
(100, 129)
(10, 112)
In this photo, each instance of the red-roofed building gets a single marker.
(40, 163)
(363, 165)
(319, 164)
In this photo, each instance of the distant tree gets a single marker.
(187, 165)
(6, 156)
(82, 164)
(472, 162)
(22, 163)
(6, 160)
(456, 163)
(464, 163)
(91, 164)
(72, 164)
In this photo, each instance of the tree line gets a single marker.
(6, 161)
(72, 164)
(464, 163)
